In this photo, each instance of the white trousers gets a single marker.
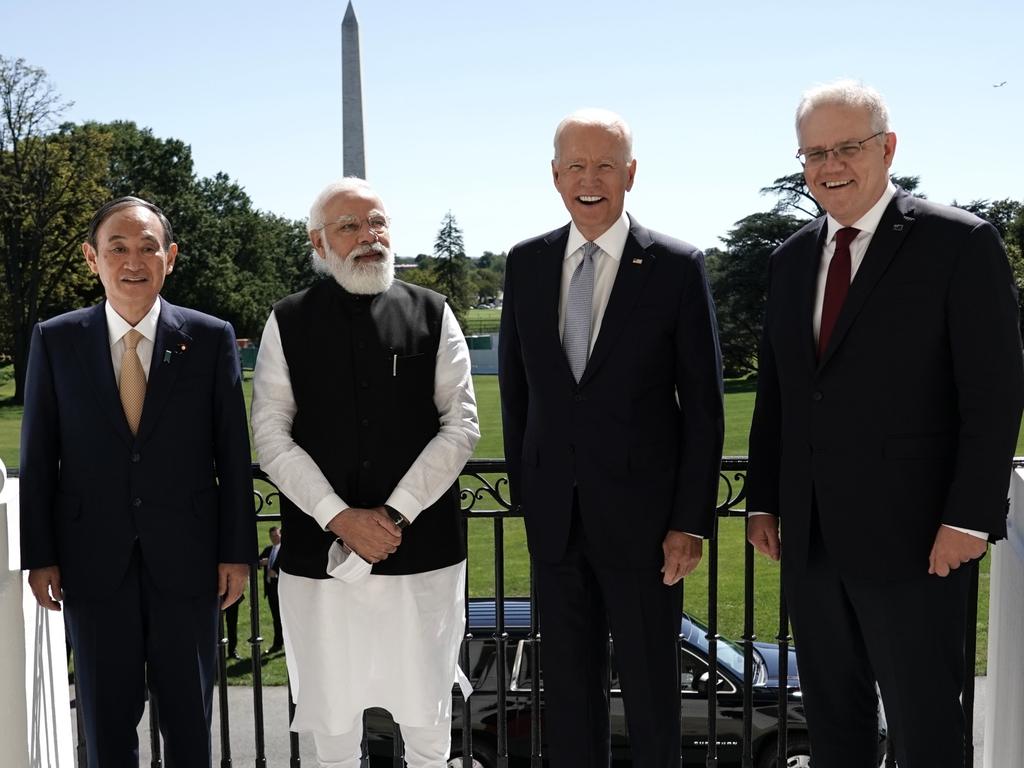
(427, 747)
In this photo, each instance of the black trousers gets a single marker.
(579, 601)
(275, 612)
(908, 635)
(135, 633)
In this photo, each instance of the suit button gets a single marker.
(366, 464)
(360, 345)
(579, 398)
(363, 384)
(135, 458)
(136, 503)
(817, 396)
(365, 422)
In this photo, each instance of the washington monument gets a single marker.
(353, 153)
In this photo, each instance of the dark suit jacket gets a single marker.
(910, 418)
(269, 583)
(182, 487)
(644, 460)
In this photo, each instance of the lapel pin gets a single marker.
(167, 355)
(897, 227)
(182, 347)
(638, 260)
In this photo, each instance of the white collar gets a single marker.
(869, 221)
(612, 241)
(117, 326)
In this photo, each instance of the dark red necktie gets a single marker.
(837, 285)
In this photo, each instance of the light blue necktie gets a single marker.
(578, 308)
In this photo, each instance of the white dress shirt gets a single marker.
(117, 327)
(606, 266)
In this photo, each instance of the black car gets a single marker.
(519, 676)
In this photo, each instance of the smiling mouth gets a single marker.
(134, 279)
(836, 184)
(589, 199)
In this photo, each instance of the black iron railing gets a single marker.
(484, 496)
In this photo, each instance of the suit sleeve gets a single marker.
(698, 373)
(988, 369)
(512, 383)
(763, 466)
(40, 459)
(237, 517)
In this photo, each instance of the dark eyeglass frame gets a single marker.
(848, 150)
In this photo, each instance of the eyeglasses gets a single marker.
(350, 225)
(846, 151)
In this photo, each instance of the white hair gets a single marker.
(347, 184)
(845, 93)
(600, 117)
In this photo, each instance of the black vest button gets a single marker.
(136, 458)
(136, 503)
(366, 464)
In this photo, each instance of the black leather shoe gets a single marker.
(234, 655)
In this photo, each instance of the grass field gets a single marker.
(730, 542)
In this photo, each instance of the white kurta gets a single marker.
(383, 641)
(356, 640)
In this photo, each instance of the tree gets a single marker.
(51, 181)
(451, 267)
(794, 197)
(739, 282)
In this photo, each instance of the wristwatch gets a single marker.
(397, 518)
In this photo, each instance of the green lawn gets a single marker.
(739, 406)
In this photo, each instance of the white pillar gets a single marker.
(1004, 704)
(34, 696)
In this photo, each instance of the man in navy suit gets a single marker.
(611, 396)
(889, 397)
(136, 490)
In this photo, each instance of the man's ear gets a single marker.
(316, 237)
(90, 258)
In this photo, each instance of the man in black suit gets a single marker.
(889, 398)
(268, 561)
(611, 395)
(136, 490)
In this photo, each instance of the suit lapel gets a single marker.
(893, 228)
(549, 289)
(634, 268)
(94, 355)
(809, 291)
(172, 343)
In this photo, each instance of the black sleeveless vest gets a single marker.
(362, 373)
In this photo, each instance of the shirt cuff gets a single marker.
(975, 534)
(328, 508)
(754, 513)
(405, 503)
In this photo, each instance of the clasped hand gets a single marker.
(367, 532)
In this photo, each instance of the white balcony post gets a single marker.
(34, 696)
(1004, 689)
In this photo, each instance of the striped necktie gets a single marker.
(578, 309)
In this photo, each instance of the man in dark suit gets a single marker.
(611, 395)
(889, 398)
(268, 561)
(136, 490)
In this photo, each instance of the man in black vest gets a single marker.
(363, 415)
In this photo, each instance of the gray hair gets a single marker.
(347, 184)
(845, 93)
(111, 207)
(601, 117)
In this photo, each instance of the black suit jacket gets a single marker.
(910, 418)
(182, 486)
(269, 583)
(641, 435)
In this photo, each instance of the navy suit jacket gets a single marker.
(640, 436)
(182, 487)
(910, 418)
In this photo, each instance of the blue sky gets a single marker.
(461, 98)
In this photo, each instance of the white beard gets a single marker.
(359, 277)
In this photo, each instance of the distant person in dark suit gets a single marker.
(268, 562)
(231, 625)
(890, 389)
(611, 393)
(136, 490)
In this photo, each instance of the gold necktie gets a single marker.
(132, 382)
